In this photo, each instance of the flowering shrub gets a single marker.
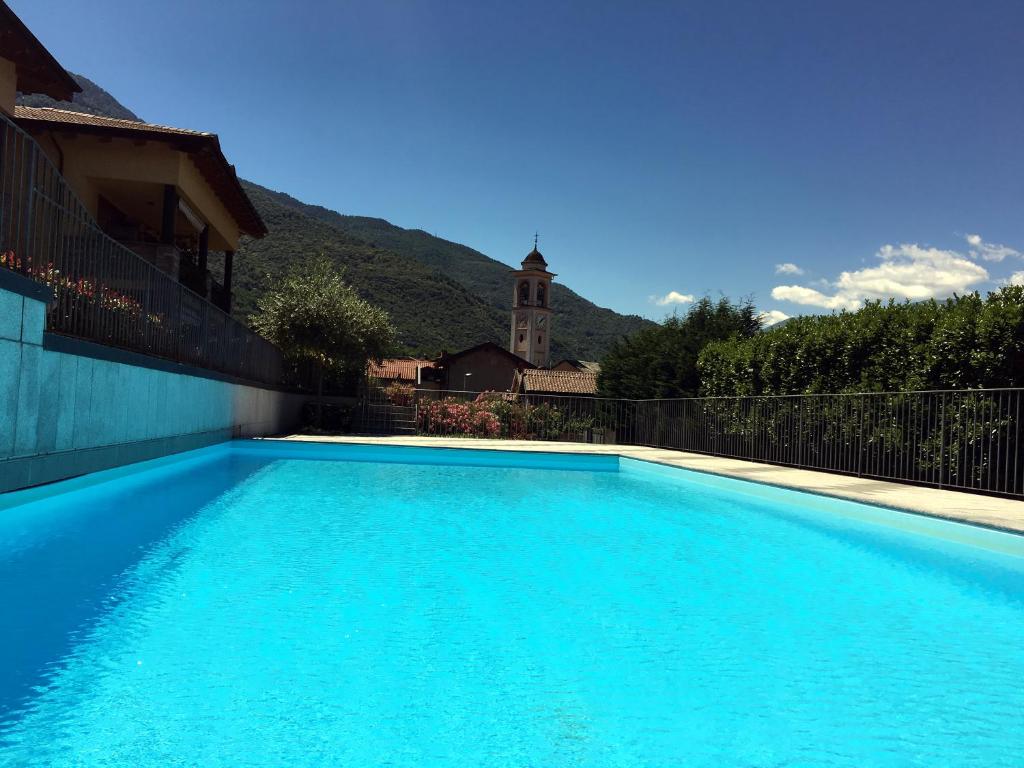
(499, 414)
(399, 394)
(452, 417)
(80, 288)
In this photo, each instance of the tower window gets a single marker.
(541, 295)
(524, 293)
(540, 340)
(521, 338)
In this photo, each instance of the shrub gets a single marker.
(400, 394)
(963, 342)
(457, 418)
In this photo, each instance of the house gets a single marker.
(577, 365)
(168, 194)
(403, 370)
(101, 223)
(552, 382)
(486, 367)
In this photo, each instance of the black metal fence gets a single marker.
(969, 440)
(500, 415)
(103, 291)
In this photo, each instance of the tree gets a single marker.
(662, 361)
(961, 343)
(315, 317)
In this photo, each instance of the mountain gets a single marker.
(440, 294)
(430, 310)
(92, 100)
(581, 329)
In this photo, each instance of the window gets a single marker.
(524, 293)
(540, 295)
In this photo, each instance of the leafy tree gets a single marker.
(316, 318)
(662, 361)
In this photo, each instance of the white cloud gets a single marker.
(788, 269)
(991, 251)
(1017, 278)
(906, 271)
(772, 316)
(800, 294)
(672, 297)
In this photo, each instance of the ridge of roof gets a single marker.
(73, 117)
(453, 355)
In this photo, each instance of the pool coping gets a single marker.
(992, 512)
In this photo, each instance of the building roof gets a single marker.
(203, 148)
(397, 368)
(558, 382)
(535, 260)
(581, 365)
(38, 71)
(487, 345)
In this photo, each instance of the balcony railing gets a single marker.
(103, 291)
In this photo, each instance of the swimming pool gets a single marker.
(269, 604)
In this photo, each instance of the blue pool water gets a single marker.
(253, 605)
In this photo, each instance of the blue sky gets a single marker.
(662, 150)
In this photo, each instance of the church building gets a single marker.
(531, 310)
(488, 367)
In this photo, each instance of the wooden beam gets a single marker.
(204, 248)
(170, 213)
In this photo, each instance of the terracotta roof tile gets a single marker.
(398, 369)
(70, 117)
(559, 382)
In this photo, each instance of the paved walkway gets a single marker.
(989, 511)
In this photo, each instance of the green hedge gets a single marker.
(963, 342)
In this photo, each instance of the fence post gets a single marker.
(30, 208)
(657, 427)
(860, 440)
(180, 327)
(942, 439)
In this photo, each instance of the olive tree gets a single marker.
(314, 316)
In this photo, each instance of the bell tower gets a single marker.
(531, 310)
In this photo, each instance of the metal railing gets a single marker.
(506, 416)
(103, 291)
(969, 440)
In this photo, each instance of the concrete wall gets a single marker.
(65, 414)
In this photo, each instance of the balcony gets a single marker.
(106, 291)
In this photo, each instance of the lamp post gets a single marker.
(464, 377)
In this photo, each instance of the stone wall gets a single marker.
(69, 407)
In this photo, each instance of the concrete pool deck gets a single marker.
(987, 511)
